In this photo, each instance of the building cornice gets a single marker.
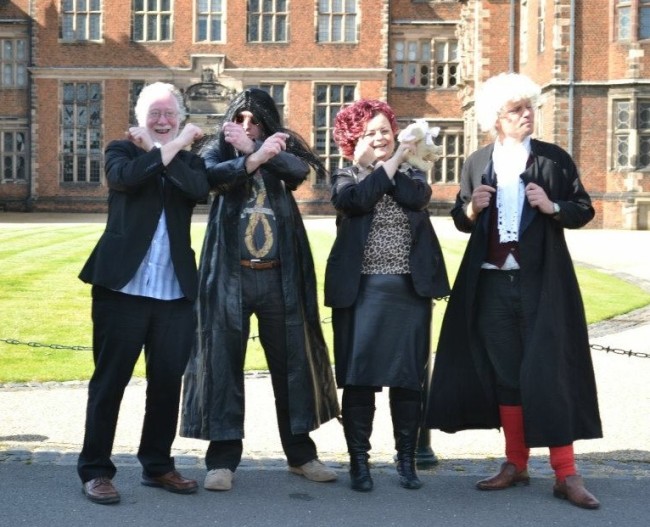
(135, 73)
(599, 84)
(406, 22)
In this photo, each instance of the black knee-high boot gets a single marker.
(357, 426)
(406, 426)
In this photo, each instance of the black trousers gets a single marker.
(502, 328)
(364, 396)
(122, 326)
(262, 296)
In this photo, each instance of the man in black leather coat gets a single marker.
(256, 259)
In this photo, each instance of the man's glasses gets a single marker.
(239, 119)
(155, 114)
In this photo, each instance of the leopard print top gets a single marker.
(388, 246)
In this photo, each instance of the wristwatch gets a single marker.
(556, 209)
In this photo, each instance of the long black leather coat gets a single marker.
(213, 398)
(557, 381)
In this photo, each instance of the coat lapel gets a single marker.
(531, 174)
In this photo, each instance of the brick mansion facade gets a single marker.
(70, 71)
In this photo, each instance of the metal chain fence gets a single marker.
(328, 320)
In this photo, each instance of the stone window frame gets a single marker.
(541, 26)
(523, 32)
(81, 23)
(152, 25)
(212, 14)
(14, 159)
(424, 63)
(446, 68)
(450, 162)
(630, 132)
(81, 153)
(329, 98)
(264, 25)
(13, 63)
(631, 20)
(337, 21)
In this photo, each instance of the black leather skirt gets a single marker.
(384, 338)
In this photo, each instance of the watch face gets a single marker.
(556, 208)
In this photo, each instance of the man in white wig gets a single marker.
(513, 351)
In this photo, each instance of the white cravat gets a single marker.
(510, 160)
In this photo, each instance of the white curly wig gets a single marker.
(497, 92)
(149, 93)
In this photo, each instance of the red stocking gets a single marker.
(563, 461)
(512, 421)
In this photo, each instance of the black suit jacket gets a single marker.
(140, 187)
(354, 200)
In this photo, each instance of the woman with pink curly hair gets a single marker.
(384, 269)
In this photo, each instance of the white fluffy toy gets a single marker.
(426, 151)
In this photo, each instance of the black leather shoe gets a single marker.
(573, 489)
(172, 481)
(507, 477)
(101, 490)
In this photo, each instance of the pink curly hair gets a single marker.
(351, 122)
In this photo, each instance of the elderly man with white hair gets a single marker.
(144, 278)
(513, 351)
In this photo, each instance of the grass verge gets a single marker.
(44, 302)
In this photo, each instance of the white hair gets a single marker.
(149, 93)
(497, 92)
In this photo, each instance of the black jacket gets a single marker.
(354, 201)
(137, 197)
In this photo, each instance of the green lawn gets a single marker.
(43, 302)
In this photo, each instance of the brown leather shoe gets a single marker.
(172, 481)
(101, 490)
(573, 489)
(507, 477)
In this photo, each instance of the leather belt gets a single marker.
(257, 263)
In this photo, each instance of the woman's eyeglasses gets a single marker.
(239, 119)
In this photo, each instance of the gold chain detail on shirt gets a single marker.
(254, 220)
